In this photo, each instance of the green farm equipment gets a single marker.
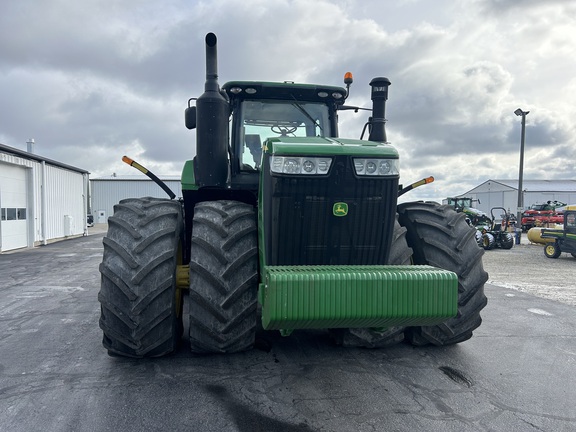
(283, 222)
(476, 218)
(564, 240)
(496, 235)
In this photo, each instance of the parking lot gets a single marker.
(514, 374)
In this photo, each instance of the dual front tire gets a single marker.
(142, 306)
(427, 233)
(223, 277)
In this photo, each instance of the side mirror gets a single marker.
(190, 117)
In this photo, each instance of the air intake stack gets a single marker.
(379, 97)
(211, 162)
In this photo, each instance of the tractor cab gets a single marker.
(261, 111)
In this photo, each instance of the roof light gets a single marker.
(322, 94)
(348, 78)
(250, 90)
(235, 90)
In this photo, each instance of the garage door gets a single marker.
(13, 199)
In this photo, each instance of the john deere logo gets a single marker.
(340, 209)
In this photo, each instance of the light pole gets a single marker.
(520, 208)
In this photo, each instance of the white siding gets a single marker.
(64, 202)
(55, 196)
(107, 193)
(494, 193)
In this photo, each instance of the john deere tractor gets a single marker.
(285, 224)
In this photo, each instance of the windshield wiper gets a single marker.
(306, 113)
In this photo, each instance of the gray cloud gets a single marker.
(91, 81)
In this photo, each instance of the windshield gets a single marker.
(261, 120)
(462, 202)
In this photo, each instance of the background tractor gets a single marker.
(284, 223)
(476, 218)
(496, 235)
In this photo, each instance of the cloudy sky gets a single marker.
(93, 80)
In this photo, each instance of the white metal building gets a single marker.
(108, 191)
(40, 199)
(504, 193)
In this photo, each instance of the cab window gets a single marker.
(261, 120)
(571, 222)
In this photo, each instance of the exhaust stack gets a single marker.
(379, 97)
(212, 113)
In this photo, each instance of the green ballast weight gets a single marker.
(307, 297)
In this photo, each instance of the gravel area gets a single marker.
(525, 268)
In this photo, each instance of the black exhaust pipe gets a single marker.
(379, 97)
(212, 113)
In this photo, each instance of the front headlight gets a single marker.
(376, 167)
(300, 165)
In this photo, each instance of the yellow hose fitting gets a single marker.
(183, 277)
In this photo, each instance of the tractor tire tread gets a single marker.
(223, 277)
(138, 278)
(441, 237)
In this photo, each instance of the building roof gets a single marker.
(135, 177)
(532, 185)
(542, 185)
(32, 156)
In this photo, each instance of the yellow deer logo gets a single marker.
(340, 209)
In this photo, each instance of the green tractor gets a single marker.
(476, 218)
(284, 226)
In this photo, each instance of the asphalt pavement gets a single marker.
(515, 374)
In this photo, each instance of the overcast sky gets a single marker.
(93, 80)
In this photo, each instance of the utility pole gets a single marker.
(520, 208)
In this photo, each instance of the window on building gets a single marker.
(10, 214)
(21, 213)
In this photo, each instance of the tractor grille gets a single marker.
(301, 228)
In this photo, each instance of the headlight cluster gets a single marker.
(376, 167)
(300, 165)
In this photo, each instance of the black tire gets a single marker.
(140, 311)
(478, 236)
(400, 254)
(441, 238)
(488, 241)
(551, 250)
(507, 241)
(223, 277)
